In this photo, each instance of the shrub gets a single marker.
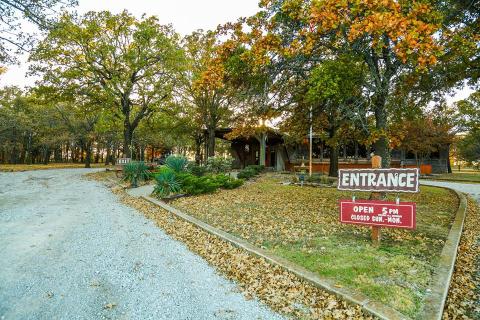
(198, 185)
(194, 185)
(197, 170)
(135, 171)
(167, 183)
(219, 164)
(245, 174)
(152, 167)
(176, 163)
(232, 183)
(257, 168)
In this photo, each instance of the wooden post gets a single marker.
(376, 232)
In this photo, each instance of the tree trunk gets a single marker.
(97, 155)
(198, 149)
(88, 155)
(333, 169)
(334, 152)
(381, 145)
(107, 159)
(127, 139)
(211, 142)
(46, 159)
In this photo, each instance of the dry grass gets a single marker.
(463, 176)
(29, 167)
(301, 224)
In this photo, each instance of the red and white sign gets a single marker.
(379, 213)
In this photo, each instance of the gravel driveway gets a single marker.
(471, 188)
(70, 250)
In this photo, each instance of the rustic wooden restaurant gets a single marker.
(282, 156)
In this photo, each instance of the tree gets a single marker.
(468, 148)
(79, 109)
(39, 12)
(469, 112)
(134, 63)
(204, 85)
(391, 37)
(424, 135)
(29, 130)
(333, 94)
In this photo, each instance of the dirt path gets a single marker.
(69, 250)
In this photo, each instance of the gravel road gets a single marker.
(70, 250)
(471, 188)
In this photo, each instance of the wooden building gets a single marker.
(278, 155)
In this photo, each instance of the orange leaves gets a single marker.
(463, 296)
(409, 30)
(211, 79)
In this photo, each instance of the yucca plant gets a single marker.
(167, 183)
(176, 163)
(134, 172)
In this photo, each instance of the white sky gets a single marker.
(185, 15)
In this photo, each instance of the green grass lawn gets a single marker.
(301, 224)
(470, 176)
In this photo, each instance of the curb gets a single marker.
(435, 301)
(374, 308)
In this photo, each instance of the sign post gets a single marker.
(376, 212)
(376, 233)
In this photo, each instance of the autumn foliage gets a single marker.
(408, 26)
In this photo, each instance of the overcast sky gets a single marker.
(185, 15)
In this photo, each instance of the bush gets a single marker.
(246, 174)
(197, 170)
(167, 183)
(227, 182)
(233, 183)
(152, 167)
(194, 185)
(257, 168)
(176, 163)
(135, 171)
(198, 185)
(219, 164)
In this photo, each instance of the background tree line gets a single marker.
(373, 72)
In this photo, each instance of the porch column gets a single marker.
(262, 139)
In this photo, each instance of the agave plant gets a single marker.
(167, 183)
(176, 163)
(134, 172)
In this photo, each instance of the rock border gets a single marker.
(372, 307)
(435, 300)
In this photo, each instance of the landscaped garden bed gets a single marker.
(301, 225)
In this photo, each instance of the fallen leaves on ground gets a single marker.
(301, 224)
(282, 291)
(463, 301)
